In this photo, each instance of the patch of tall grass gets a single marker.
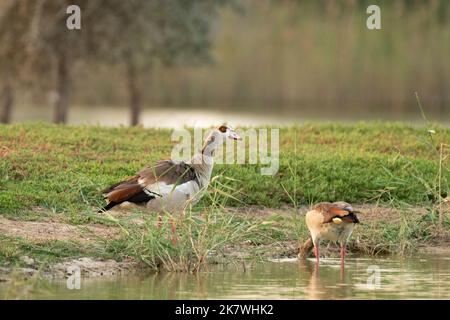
(400, 234)
(182, 242)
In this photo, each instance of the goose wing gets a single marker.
(331, 211)
(151, 182)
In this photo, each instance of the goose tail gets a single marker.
(110, 205)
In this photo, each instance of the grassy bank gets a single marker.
(63, 168)
(50, 173)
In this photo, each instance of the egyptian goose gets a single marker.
(331, 221)
(170, 185)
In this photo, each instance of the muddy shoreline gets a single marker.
(52, 229)
(98, 268)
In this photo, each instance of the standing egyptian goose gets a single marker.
(171, 185)
(331, 221)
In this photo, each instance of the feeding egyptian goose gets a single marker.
(171, 185)
(331, 221)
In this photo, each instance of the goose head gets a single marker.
(217, 138)
(343, 205)
(226, 132)
(346, 206)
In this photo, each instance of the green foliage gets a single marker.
(185, 243)
(64, 168)
(112, 30)
(58, 171)
(401, 233)
(43, 252)
(180, 243)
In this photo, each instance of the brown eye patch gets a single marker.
(223, 129)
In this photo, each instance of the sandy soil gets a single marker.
(52, 230)
(91, 267)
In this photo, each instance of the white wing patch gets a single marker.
(160, 188)
(170, 198)
(151, 193)
(190, 188)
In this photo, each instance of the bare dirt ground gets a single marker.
(92, 268)
(52, 230)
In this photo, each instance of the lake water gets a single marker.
(426, 276)
(155, 117)
(178, 118)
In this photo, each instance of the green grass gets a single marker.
(50, 171)
(402, 233)
(63, 168)
(12, 249)
(217, 236)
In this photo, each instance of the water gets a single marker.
(154, 117)
(423, 277)
(177, 118)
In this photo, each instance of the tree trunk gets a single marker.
(7, 102)
(135, 96)
(62, 87)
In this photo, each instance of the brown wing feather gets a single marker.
(166, 171)
(124, 190)
(123, 194)
(330, 211)
(338, 212)
(121, 184)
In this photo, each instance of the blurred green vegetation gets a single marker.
(36, 44)
(296, 57)
(307, 58)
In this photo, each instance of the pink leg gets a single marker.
(159, 223)
(316, 253)
(342, 254)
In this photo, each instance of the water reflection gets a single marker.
(417, 277)
(156, 117)
(178, 118)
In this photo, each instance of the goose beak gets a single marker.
(233, 135)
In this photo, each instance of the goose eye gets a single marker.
(223, 129)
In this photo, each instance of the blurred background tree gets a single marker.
(12, 48)
(135, 33)
(141, 33)
(36, 46)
